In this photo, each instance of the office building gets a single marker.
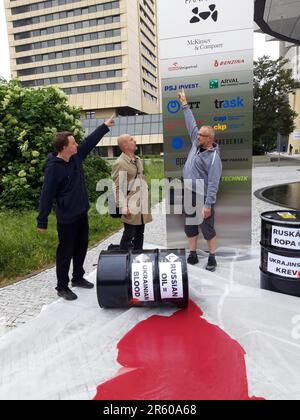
(102, 53)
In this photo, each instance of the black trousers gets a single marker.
(73, 245)
(133, 237)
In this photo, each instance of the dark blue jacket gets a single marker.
(65, 184)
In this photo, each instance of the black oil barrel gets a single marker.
(142, 278)
(280, 252)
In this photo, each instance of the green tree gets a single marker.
(29, 119)
(272, 112)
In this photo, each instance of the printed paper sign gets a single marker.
(286, 238)
(284, 266)
(171, 286)
(142, 282)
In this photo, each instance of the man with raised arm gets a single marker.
(203, 163)
(65, 186)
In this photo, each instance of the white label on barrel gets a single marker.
(171, 286)
(286, 238)
(284, 266)
(142, 282)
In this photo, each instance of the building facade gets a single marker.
(146, 129)
(102, 53)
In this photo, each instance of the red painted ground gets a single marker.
(181, 357)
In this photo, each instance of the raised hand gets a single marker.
(182, 97)
(111, 122)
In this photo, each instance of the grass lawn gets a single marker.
(23, 251)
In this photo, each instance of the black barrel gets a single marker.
(280, 252)
(142, 278)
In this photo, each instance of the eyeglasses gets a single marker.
(202, 135)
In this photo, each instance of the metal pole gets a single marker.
(279, 142)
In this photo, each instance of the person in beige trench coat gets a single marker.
(131, 192)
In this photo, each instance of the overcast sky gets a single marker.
(260, 46)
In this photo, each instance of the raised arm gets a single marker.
(93, 139)
(190, 121)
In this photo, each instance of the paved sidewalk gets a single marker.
(24, 300)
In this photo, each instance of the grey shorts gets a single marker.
(207, 227)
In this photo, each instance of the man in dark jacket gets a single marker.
(65, 185)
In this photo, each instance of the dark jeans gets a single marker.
(73, 244)
(133, 236)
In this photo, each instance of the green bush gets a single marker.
(95, 169)
(29, 120)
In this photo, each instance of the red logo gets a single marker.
(174, 67)
(228, 62)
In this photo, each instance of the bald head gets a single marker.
(127, 144)
(123, 141)
(206, 136)
(208, 131)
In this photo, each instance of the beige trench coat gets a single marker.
(131, 190)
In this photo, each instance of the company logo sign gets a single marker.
(224, 118)
(179, 161)
(220, 127)
(199, 16)
(178, 67)
(173, 107)
(223, 123)
(187, 86)
(178, 143)
(230, 103)
(195, 105)
(215, 84)
(222, 63)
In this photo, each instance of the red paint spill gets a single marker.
(181, 357)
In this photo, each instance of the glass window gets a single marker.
(146, 128)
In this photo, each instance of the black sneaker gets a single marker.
(67, 294)
(193, 259)
(211, 265)
(83, 284)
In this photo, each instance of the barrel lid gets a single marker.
(285, 217)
